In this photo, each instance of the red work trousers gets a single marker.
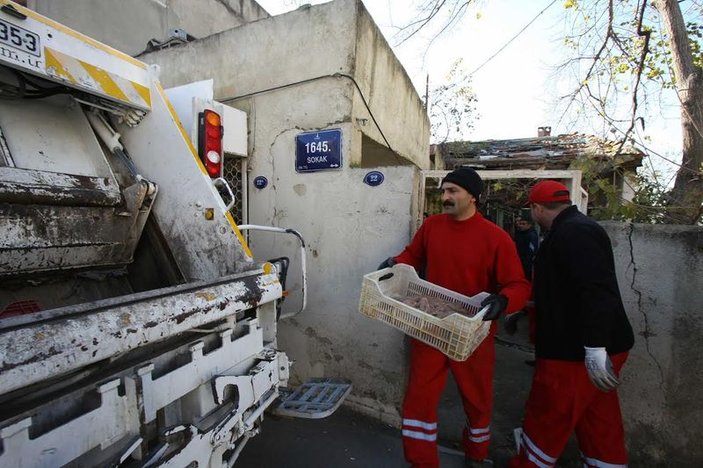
(563, 399)
(428, 377)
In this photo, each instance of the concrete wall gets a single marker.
(299, 72)
(660, 270)
(400, 113)
(128, 25)
(308, 44)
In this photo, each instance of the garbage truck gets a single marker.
(136, 326)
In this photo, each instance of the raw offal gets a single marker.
(435, 306)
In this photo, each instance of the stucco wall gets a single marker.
(400, 113)
(660, 271)
(128, 25)
(278, 52)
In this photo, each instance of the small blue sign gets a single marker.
(318, 151)
(260, 182)
(374, 178)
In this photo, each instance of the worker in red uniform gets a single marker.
(582, 341)
(461, 251)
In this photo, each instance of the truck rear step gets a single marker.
(315, 399)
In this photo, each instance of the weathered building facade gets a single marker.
(609, 167)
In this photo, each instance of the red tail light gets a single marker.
(210, 142)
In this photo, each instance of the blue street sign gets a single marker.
(374, 178)
(260, 182)
(318, 151)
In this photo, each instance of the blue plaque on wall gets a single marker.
(374, 178)
(318, 151)
(260, 182)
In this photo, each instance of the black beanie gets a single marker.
(466, 178)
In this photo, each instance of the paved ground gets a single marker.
(347, 439)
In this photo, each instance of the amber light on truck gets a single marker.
(210, 138)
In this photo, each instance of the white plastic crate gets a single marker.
(456, 335)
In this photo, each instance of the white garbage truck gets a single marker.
(136, 328)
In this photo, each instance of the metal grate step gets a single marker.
(315, 399)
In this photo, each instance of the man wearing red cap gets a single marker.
(582, 340)
(461, 251)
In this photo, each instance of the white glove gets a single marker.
(600, 369)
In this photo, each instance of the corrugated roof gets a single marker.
(548, 152)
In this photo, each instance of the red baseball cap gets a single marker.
(548, 191)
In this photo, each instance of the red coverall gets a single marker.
(468, 257)
(563, 399)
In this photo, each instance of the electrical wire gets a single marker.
(513, 38)
(27, 88)
(308, 80)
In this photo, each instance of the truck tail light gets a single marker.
(210, 142)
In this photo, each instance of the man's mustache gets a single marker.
(447, 203)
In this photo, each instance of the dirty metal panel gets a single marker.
(57, 259)
(110, 422)
(41, 187)
(190, 212)
(253, 369)
(58, 139)
(42, 238)
(256, 391)
(232, 358)
(65, 341)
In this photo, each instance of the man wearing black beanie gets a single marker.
(466, 178)
(462, 251)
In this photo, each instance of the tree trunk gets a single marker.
(686, 198)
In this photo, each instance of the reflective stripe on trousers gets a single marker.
(420, 430)
(478, 434)
(595, 463)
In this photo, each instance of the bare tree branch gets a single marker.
(645, 50)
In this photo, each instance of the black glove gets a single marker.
(387, 263)
(510, 321)
(497, 303)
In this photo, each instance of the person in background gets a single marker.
(526, 241)
(461, 251)
(582, 340)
